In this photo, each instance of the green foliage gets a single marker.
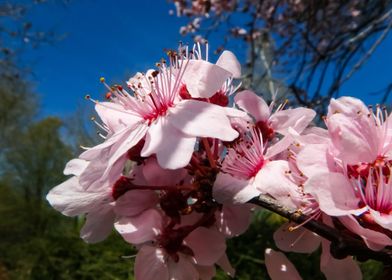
(37, 157)
(372, 270)
(28, 251)
(17, 108)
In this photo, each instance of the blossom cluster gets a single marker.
(282, 17)
(184, 151)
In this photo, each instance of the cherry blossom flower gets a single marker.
(72, 199)
(354, 181)
(178, 165)
(177, 257)
(249, 169)
(292, 237)
(250, 166)
(100, 198)
(269, 122)
(169, 124)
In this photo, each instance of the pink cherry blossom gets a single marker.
(350, 175)
(72, 199)
(270, 122)
(210, 77)
(156, 112)
(292, 237)
(178, 165)
(249, 169)
(178, 254)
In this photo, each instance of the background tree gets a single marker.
(305, 49)
(36, 242)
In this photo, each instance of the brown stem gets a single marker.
(209, 153)
(342, 244)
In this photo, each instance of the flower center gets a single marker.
(245, 159)
(373, 184)
(266, 131)
(362, 169)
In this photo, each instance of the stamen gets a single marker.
(313, 216)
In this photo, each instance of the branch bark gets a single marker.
(342, 244)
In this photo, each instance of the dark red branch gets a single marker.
(342, 244)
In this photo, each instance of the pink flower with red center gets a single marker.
(182, 256)
(103, 199)
(217, 94)
(249, 169)
(292, 237)
(269, 122)
(168, 251)
(156, 113)
(353, 182)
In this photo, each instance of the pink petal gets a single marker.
(137, 133)
(134, 202)
(279, 267)
(141, 228)
(348, 106)
(99, 176)
(206, 272)
(93, 174)
(356, 140)
(154, 137)
(207, 245)
(183, 269)
(382, 219)
(224, 263)
(279, 146)
(192, 116)
(314, 135)
(99, 225)
(204, 79)
(114, 116)
(298, 119)
(176, 154)
(94, 152)
(273, 179)
(253, 104)
(150, 264)
(319, 131)
(334, 193)
(72, 200)
(157, 176)
(228, 189)
(236, 113)
(312, 159)
(374, 240)
(75, 167)
(173, 148)
(233, 220)
(346, 269)
(299, 240)
(230, 63)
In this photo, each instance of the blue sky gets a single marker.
(117, 40)
(102, 39)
